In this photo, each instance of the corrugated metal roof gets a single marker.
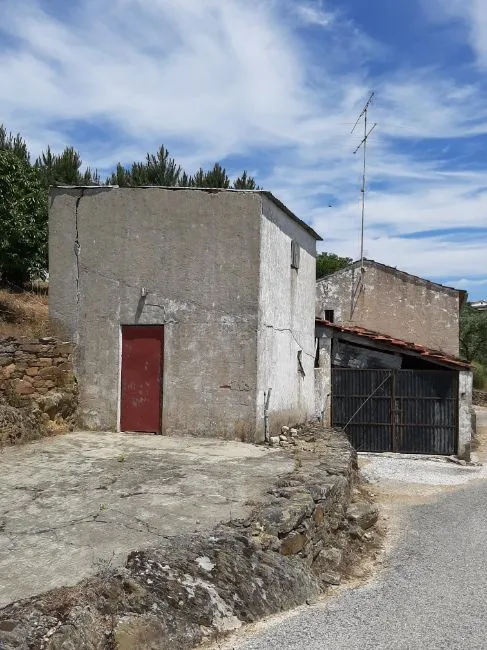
(211, 190)
(403, 346)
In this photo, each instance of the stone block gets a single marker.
(63, 349)
(364, 515)
(43, 362)
(24, 388)
(32, 348)
(293, 543)
(319, 514)
(32, 372)
(8, 370)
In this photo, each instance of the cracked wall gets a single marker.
(286, 322)
(393, 303)
(197, 254)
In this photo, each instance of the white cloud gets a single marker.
(211, 79)
(473, 15)
(314, 14)
(465, 283)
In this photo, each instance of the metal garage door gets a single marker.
(405, 411)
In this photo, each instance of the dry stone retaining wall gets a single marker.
(480, 397)
(37, 388)
(299, 540)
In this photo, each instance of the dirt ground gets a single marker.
(78, 503)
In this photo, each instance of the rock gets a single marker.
(55, 403)
(331, 578)
(82, 629)
(63, 349)
(8, 370)
(43, 362)
(281, 518)
(356, 532)
(364, 515)
(283, 438)
(32, 372)
(141, 633)
(284, 443)
(33, 348)
(50, 372)
(293, 432)
(293, 543)
(24, 388)
(319, 514)
(284, 429)
(274, 440)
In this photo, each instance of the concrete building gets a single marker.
(383, 299)
(186, 306)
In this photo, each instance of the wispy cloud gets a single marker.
(314, 14)
(277, 84)
(471, 15)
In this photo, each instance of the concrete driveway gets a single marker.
(430, 593)
(74, 504)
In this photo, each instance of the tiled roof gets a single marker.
(406, 346)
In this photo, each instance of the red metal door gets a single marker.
(141, 396)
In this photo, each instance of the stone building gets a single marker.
(387, 367)
(185, 306)
(386, 300)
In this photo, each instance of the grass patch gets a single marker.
(23, 314)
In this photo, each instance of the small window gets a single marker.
(330, 315)
(295, 253)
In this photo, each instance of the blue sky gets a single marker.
(274, 86)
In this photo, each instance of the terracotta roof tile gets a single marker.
(423, 351)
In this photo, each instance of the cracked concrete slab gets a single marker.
(74, 504)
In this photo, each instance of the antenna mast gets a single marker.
(363, 143)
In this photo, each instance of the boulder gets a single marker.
(364, 515)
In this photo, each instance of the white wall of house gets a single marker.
(285, 322)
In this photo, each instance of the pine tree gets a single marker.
(245, 182)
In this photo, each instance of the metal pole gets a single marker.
(363, 192)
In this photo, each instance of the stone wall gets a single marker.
(37, 388)
(305, 535)
(480, 397)
(386, 300)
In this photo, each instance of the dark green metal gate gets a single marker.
(405, 411)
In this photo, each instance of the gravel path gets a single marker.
(432, 593)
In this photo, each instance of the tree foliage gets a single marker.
(473, 334)
(64, 169)
(23, 220)
(327, 263)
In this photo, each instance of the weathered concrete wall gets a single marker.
(323, 379)
(309, 530)
(197, 254)
(286, 321)
(393, 303)
(465, 414)
(38, 392)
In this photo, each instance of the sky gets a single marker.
(275, 86)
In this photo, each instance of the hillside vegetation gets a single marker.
(23, 314)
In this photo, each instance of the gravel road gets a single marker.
(431, 594)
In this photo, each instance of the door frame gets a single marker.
(119, 389)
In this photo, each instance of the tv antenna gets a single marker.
(363, 144)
